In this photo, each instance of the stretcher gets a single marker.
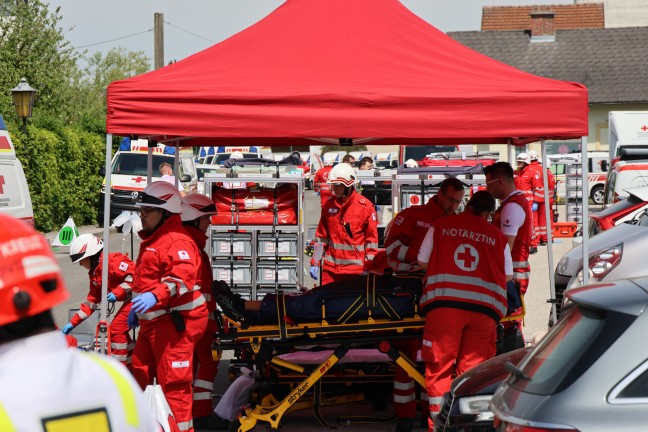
(369, 322)
(357, 327)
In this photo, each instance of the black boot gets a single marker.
(211, 422)
(233, 305)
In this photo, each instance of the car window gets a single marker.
(136, 164)
(637, 386)
(569, 349)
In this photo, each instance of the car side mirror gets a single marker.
(185, 178)
(102, 171)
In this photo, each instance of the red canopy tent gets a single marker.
(344, 69)
(369, 70)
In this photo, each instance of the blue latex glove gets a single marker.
(314, 272)
(133, 321)
(143, 302)
(534, 207)
(67, 328)
(111, 298)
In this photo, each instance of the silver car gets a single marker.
(617, 253)
(590, 372)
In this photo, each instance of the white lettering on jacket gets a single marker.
(464, 233)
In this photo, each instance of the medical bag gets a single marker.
(255, 205)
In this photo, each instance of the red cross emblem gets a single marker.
(2, 182)
(138, 179)
(644, 128)
(466, 257)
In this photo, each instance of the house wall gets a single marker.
(623, 13)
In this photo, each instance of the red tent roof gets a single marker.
(344, 69)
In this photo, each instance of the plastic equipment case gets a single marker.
(574, 192)
(263, 222)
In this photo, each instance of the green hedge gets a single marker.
(62, 168)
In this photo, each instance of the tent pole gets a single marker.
(106, 247)
(547, 210)
(585, 217)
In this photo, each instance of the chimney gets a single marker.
(542, 25)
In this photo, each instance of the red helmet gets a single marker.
(30, 278)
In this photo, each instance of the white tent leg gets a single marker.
(585, 217)
(103, 310)
(548, 215)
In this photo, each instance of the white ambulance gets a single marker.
(14, 192)
(129, 170)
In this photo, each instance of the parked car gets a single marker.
(466, 407)
(590, 372)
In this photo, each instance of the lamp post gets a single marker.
(23, 96)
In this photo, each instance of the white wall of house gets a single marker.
(623, 13)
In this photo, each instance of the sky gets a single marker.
(194, 25)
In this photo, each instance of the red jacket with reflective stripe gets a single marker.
(120, 276)
(466, 268)
(406, 232)
(347, 249)
(538, 182)
(168, 265)
(526, 181)
(520, 251)
(320, 185)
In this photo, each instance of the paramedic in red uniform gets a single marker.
(44, 385)
(513, 217)
(347, 228)
(539, 216)
(468, 263)
(167, 299)
(403, 239)
(527, 181)
(320, 182)
(197, 210)
(87, 251)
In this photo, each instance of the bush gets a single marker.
(62, 173)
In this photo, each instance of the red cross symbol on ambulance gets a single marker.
(2, 182)
(138, 179)
(466, 257)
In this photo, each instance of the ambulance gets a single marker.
(129, 169)
(597, 162)
(14, 193)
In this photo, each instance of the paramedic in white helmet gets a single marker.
(44, 385)
(347, 228)
(87, 250)
(167, 301)
(197, 210)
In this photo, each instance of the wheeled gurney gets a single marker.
(374, 311)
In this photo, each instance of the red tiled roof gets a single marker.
(566, 17)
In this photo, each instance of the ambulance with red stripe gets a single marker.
(14, 192)
(129, 169)
(625, 174)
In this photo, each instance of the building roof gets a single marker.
(611, 63)
(566, 17)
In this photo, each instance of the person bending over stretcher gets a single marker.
(400, 295)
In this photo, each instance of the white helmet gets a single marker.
(196, 205)
(342, 173)
(533, 155)
(161, 194)
(523, 157)
(411, 163)
(86, 245)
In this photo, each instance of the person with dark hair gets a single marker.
(87, 250)
(167, 301)
(347, 228)
(197, 210)
(349, 159)
(468, 264)
(44, 385)
(403, 238)
(366, 163)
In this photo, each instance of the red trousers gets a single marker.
(206, 369)
(166, 354)
(121, 343)
(454, 340)
(328, 276)
(404, 385)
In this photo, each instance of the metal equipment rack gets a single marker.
(574, 192)
(258, 259)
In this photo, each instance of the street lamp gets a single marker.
(23, 96)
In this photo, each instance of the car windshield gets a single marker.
(136, 163)
(569, 349)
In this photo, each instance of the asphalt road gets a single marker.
(536, 319)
